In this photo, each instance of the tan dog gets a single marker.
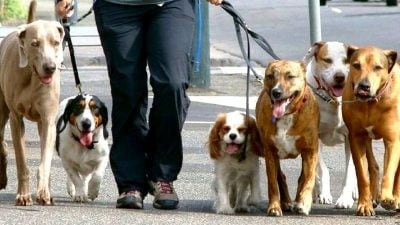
(30, 88)
(371, 110)
(288, 119)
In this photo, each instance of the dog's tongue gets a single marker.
(337, 92)
(46, 79)
(279, 108)
(86, 138)
(232, 148)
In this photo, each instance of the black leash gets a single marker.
(72, 55)
(240, 23)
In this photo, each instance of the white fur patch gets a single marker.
(370, 132)
(285, 144)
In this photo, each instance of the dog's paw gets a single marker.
(225, 209)
(302, 208)
(274, 210)
(43, 198)
(80, 198)
(345, 201)
(325, 198)
(23, 200)
(287, 206)
(388, 204)
(93, 195)
(365, 209)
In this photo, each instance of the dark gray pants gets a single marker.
(160, 37)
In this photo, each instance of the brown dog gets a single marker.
(30, 88)
(371, 111)
(288, 119)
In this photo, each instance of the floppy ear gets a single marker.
(256, 144)
(350, 51)
(214, 138)
(60, 53)
(23, 58)
(312, 52)
(104, 115)
(391, 57)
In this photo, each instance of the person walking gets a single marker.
(146, 155)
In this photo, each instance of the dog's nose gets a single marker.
(49, 68)
(364, 85)
(276, 93)
(86, 124)
(339, 77)
(232, 136)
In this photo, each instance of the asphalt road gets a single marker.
(285, 24)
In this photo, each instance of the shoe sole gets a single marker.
(164, 207)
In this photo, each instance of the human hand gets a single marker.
(215, 2)
(64, 8)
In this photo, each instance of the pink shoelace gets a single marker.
(166, 187)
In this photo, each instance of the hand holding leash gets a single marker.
(64, 8)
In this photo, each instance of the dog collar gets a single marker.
(383, 90)
(91, 146)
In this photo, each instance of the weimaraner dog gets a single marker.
(30, 87)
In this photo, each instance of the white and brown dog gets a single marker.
(288, 118)
(234, 145)
(82, 144)
(326, 74)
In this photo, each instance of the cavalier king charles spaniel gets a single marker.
(234, 144)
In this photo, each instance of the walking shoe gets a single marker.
(130, 200)
(165, 196)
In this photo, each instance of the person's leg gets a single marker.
(122, 30)
(169, 44)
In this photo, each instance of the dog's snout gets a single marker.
(364, 85)
(232, 136)
(276, 93)
(49, 68)
(339, 77)
(86, 124)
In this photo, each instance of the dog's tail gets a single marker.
(32, 11)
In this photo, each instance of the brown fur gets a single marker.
(303, 110)
(30, 88)
(374, 114)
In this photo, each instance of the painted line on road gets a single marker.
(230, 101)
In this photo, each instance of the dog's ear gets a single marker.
(350, 51)
(391, 57)
(256, 144)
(104, 115)
(23, 58)
(312, 52)
(214, 138)
(60, 53)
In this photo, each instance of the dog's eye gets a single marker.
(327, 60)
(378, 67)
(35, 44)
(56, 43)
(291, 76)
(269, 77)
(226, 129)
(356, 66)
(242, 130)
